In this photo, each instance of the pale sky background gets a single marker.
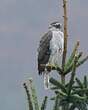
(22, 23)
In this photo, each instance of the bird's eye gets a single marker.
(58, 26)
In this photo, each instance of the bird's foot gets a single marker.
(49, 67)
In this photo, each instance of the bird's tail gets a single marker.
(41, 69)
(46, 79)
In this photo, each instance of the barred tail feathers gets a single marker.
(46, 79)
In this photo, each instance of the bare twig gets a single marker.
(65, 39)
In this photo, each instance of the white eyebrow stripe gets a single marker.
(57, 24)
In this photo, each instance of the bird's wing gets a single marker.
(44, 51)
(44, 45)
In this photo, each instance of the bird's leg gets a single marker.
(51, 62)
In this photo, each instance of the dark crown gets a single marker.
(56, 25)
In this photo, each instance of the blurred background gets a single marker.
(22, 23)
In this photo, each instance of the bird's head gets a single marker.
(55, 25)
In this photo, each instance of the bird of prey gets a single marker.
(50, 49)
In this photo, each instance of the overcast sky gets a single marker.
(22, 23)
